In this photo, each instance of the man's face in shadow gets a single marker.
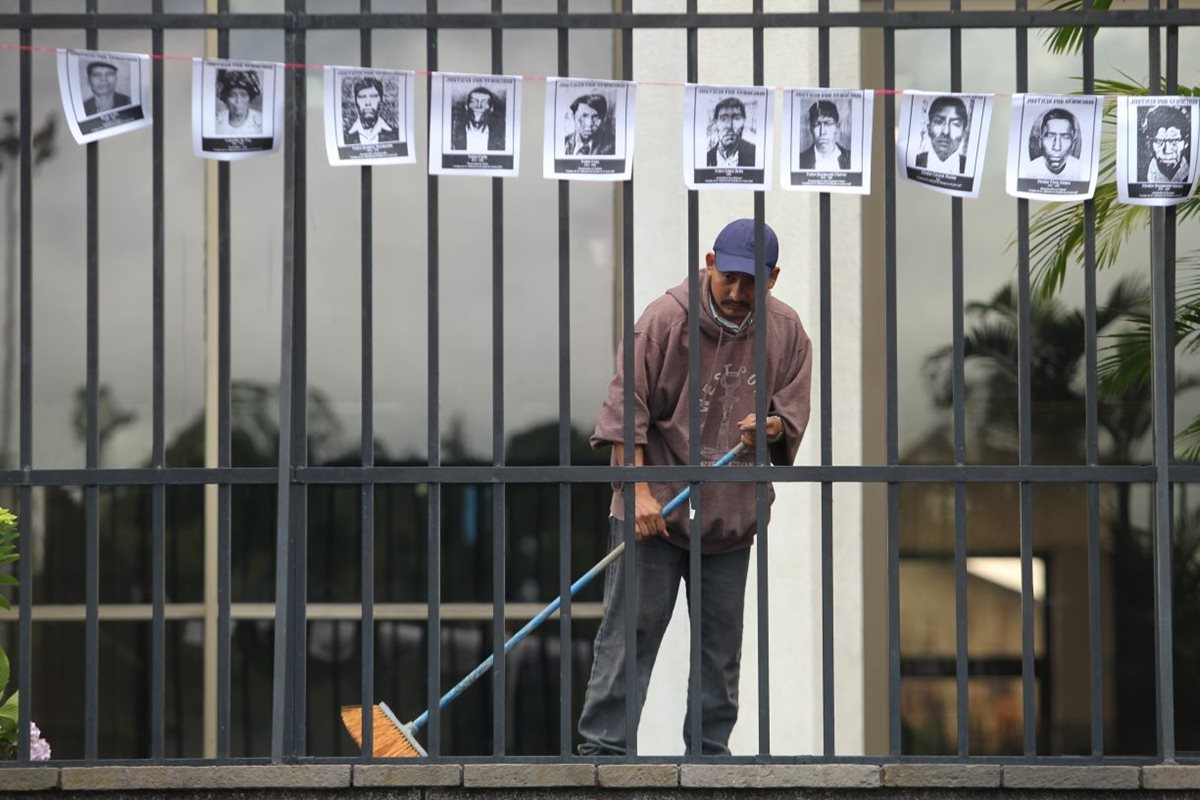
(587, 121)
(102, 80)
(946, 127)
(824, 133)
(480, 105)
(1058, 137)
(367, 101)
(730, 120)
(1169, 148)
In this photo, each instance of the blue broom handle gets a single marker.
(554, 605)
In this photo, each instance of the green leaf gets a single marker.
(4, 670)
(11, 707)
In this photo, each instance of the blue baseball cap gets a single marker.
(734, 247)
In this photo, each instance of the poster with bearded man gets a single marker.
(368, 116)
(1155, 162)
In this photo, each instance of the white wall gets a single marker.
(660, 236)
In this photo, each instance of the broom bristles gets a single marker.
(389, 739)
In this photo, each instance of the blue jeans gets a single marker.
(660, 567)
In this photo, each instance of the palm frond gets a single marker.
(1069, 39)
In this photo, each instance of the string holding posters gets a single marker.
(237, 108)
(369, 116)
(474, 125)
(942, 140)
(588, 130)
(827, 140)
(1155, 164)
(104, 94)
(1054, 146)
(727, 136)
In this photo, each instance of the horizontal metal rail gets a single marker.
(405, 612)
(886, 20)
(949, 473)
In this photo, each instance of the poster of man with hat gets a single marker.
(237, 108)
(104, 94)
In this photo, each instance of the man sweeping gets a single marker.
(727, 401)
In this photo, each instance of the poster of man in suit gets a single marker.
(942, 140)
(588, 129)
(104, 94)
(727, 136)
(827, 140)
(474, 125)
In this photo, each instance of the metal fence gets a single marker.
(293, 475)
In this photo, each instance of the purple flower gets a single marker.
(39, 748)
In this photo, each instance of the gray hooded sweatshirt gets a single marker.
(660, 356)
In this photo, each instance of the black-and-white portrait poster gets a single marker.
(104, 94)
(588, 130)
(474, 124)
(727, 136)
(942, 140)
(237, 108)
(827, 140)
(1054, 146)
(369, 116)
(1155, 162)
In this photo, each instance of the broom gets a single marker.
(394, 739)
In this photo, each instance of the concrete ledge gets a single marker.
(408, 775)
(291, 776)
(1046, 777)
(628, 776)
(28, 779)
(528, 775)
(1170, 776)
(765, 776)
(942, 776)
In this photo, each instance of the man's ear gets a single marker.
(774, 276)
(710, 261)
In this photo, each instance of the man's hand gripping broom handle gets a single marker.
(554, 605)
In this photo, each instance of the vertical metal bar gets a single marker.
(761, 455)
(1162, 347)
(892, 422)
(224, 437)
(25, 400)
(695, 608)
(499, 533)
(91, 693)
(367, 442)
(564, 427)
(433, 442)
(825, 262)
(297, 233)
(1092, 434)
(158, 589)
(629, 588)
(1024, 433)
(960, 445)
(285, 710)
(1162, 340)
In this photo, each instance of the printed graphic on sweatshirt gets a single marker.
(723, 391)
